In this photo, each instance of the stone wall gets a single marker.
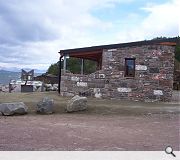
(86, 85)
(153, 79)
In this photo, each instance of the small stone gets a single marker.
(158, 92)
(45, 106)
(82, 84)
(153, 70)
(77, 103)
(98, 95)
(9, 109)
(55, 87)
(124, 89)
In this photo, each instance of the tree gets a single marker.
(89, 66)
(160, 38)
(74, 65)
(177, 50)
(53, 69)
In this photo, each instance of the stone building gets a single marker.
(140, 71)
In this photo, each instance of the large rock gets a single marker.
(4, 88)
(55, 87)
(8, 109)
(45, 106)
(77, 103)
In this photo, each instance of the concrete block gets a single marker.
(141, 67)
(75, 78)
(111, 50)
(102, 76)
(158, 92)
(81, 84)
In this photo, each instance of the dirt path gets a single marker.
(79, 132)
(106, 125)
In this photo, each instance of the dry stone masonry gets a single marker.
(153, 80)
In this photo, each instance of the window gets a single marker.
(129, 67)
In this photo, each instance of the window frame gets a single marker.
(125, 70)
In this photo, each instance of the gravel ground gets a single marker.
(105, 126)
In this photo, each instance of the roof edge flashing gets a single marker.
(121, 45)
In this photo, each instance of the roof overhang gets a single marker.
(95, 52)
(91, 55)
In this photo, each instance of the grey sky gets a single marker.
(32, 32)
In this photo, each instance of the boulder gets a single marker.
(9, 109)
(45, 106)
(98, 95)
(77, 103)
(48, 87)
(4, 88)
(55, 87)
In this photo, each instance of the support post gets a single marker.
(82, 66)
(64, 67)
(59, 79)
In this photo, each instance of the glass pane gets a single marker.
(130, 64)
(130, 67)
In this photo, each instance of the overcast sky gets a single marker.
(33, 31)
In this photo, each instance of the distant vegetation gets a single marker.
(53, 69)
(74, 64)
(177, 53)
